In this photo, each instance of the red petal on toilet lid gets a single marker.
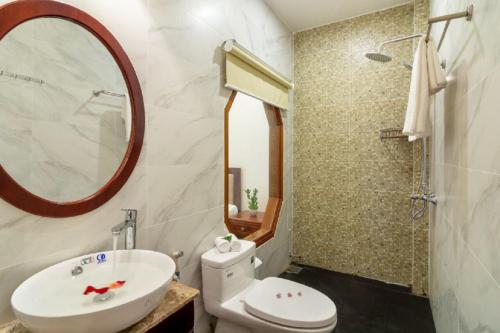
(305, 308)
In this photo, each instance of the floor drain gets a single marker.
(292, 269)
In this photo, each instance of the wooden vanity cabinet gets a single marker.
(181, 321)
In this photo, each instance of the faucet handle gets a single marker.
(131, 214)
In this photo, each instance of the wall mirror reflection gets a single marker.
(248, 156)
(254, 167)
(65, 112)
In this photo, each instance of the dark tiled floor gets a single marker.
(368, 306)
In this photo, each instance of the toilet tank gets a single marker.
(226, 274)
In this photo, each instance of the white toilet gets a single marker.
(244, 304)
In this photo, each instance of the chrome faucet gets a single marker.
(130, 226)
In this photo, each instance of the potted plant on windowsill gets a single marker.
(253, 203)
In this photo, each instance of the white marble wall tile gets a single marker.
(455, 192)
(275, 253)
(275, 261)
(16, 98)
(197, 94)
(180, 190)
(191, 275)
(437, 117)
(228, 18)
(465, 161)
(249, 23)
(192, 138)
(444, 302)
(129, 26)
(15, 145)
(80, 161)
(481, 112)
(34, 236)
(199, 231)
(478, 295)
(178, 183)
(472, 46)
(173, 63)
(483, 225)
(16, 49)
(63, 48)
(282, 235)
(271, 35)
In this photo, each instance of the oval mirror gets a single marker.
(71, 111)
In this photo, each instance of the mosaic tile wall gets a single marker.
(351, 190)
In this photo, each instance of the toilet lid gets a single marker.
(291, 304)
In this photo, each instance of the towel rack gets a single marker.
(467, 14)
(20, 76)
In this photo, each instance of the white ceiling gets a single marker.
(301, 15)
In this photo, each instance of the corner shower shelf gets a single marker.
(392, 133)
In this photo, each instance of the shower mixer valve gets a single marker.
(429, 197)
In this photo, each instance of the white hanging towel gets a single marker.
(417, 121)
(437, 77)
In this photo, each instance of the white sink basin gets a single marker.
(53, 300)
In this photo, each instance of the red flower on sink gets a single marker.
(114, 285)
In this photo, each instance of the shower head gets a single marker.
(378, 56)
(381, 57)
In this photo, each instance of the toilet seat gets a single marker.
(291, 304)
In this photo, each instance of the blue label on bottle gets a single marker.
(101, 257)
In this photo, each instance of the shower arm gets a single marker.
(399, 39)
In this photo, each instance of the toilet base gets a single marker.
(224, 326)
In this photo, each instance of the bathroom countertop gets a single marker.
(177, 296)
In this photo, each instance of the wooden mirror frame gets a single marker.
(14, 14)
(273, 208)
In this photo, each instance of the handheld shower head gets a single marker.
(378, 56)
(408, 66)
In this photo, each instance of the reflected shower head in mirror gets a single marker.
(378, 56)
